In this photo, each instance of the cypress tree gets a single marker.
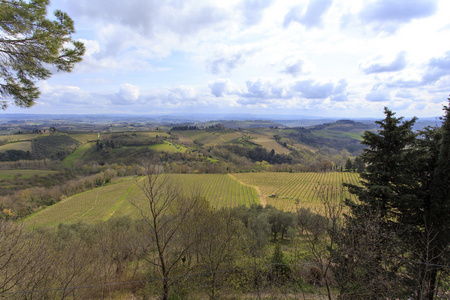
(407, 187)
(389, 156)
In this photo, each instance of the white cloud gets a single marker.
(253, 9)
(388, 15)
(379, 93)
(294, 69)
(438, 67)
(226, 64)
(311, 17)
(270, 55)
(128, 94)
(377, 66)
(223, 87)
(311, 89)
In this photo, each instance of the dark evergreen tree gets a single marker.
(359, 165)
(430, 223)
(348, 164)
(280, 269)
(389, 157)
(407, 190)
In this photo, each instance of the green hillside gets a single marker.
(56, 146)
(115, 199)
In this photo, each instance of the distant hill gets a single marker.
(342, 134)
(56, 146)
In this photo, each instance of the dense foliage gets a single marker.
(29, 44)
(55, 146)
(406, 194)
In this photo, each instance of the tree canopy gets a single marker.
(405, 189)
(31, 46)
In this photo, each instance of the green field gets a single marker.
(293, 190)
(210, 138)
(77, 154)
(23, 146)
(114, 200)
(85, 137)
(168, 147)
(10, 174)
(19, 137)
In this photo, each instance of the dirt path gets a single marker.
(262, 198)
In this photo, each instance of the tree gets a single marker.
(280, 268)
(279, 221)
(429, 225)
(406, 190)
(217, 247)
(323, 230)
(361, 268)
(31, 44)
(172, 223)
(348, 164)
(390, 158)
(358, 165)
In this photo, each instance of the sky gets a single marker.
(331, 58)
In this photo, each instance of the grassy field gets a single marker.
(153, 134)
(77, 154)
(85, 137)
(23, 146)
(19, 137)
(210, 138)
(168, 147)
(114, 200)
(183, 139)
(4, 174)
(293, 190)
(269, 143)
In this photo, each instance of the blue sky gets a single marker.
(335, 58)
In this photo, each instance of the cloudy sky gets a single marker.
(336, 58)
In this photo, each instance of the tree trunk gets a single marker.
(432, 284)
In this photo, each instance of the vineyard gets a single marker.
(212, 138)
(287, 191)
(115, 199)
(269, 143)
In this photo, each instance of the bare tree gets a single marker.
(170, 225)
(322, 230)
(364, 261)
(422, 264)
(22, 258)
(218, 247)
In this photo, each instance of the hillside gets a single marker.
(285, 191)
(200, 147)
(117, 199)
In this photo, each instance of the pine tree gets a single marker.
(30, 43)
(281, 270)
(348, 164)
(389, 155)
(407, 190)
(436, 211)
